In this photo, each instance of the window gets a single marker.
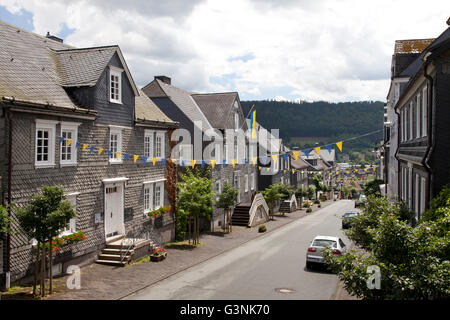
(237, 185)
(236, 121)
(154, 144)
(153, 195)
(422, 195)
(418, 116)
(68, 151)
(71, 226)
(424, 111)
(218, 189)
(148, 146)
(115, 85)
(246, 182)
(45, 142)
(252, 183)
(115, 145)
(411, 121)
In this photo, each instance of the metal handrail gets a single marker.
(133, 237)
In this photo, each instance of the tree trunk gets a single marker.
(43, 270)
(198, 230)
(230, 226)
(50, 266)
(189, 228)
(36, 270)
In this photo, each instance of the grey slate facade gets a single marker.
(25, 105)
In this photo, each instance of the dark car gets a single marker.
(347, 219)
(361, 201)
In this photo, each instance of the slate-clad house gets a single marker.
(49, 91)
(215, 111)
(424, 133)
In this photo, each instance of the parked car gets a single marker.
(361, 201)
(314, 252)
(347, 219)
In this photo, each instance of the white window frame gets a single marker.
(217, 188)
(118, 132)
(418, 115)
(115, 72)
(411, 121)
(148, 204)
(161, 195)
(424, 111)
(150, 187)
(246, 182)
(148, 143)
(50, 126)
(72, 225)
(252, 182)
(73, 128)
(422, 194)
(236, 121)
(161, 135)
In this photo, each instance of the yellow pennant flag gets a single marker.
(174, 161)
(284, 171)
(154, 161)
(317, 151)
(374, 169)
(268, 169)
(100, 150)
(233, 162)
(117, 155)
(339, 145)
(84, 146)
(303, 171)
(295, 153)
(293, 171)
(275, 157)
(69, 142)
(193, 163)
(213, 163)
(135, 158)
(259, 168)
(254, 160)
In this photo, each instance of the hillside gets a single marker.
(307, 124)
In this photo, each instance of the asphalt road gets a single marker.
(260, 268)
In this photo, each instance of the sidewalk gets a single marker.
(100, 282)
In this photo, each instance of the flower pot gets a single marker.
(156, 258)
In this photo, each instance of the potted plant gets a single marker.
(262, 228)
(158, 254)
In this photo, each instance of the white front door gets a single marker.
(114, 220)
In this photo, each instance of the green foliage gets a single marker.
(195, 195)
(309, 210)
(181, 224)
(227, 197)
(353, 192)
(46, 215)
(373, 188)
(271, 194)
(437, 202)
(300, 192)
(5, 221)
(262, 228)
(285, 190)
(413, 261)
(310, 192)
(317, 201)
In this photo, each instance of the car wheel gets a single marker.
(308, 265)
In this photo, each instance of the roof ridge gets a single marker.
(86, 48)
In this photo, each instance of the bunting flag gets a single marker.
(100, 150)
(307, 152)
(293, 171)
(253, 123)
(174, 161)
(223, 163)
(135, 157)
(264, 160)
(259, 168)
(374, 169)
(117, 155)
(268, 169)
(91, 148)
(163, 161)
(109, 153)
(84, 147)
(76, 144)
(182, 163)
(143, 158)
(203, 163)
(275, 158)
(193, 163)
(125, 157)
(213, 163)
(69, 142)
(244, 161)
(61, 140)
(284, 171)
(286, 157)
(295, 153)
(154, 161)
(339, 145)
(254, 160)
(233, 162)
(328, 147)
(317, 151)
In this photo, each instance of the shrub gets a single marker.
(309, 210)
(319, 206)
(262, 228)
(317, 201)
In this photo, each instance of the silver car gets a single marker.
(314, 252)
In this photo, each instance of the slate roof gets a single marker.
(216, 107)
(411, 46)
(299, 164)
(147, 110)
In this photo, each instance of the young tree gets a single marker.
(373, 188)
(300, 193)
(271, 195)
(42, 220)
(310, 192)
(5, 221)
(195, 198)
(226, 201)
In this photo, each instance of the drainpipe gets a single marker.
(396, 153)
(430, 131)
(8, 236)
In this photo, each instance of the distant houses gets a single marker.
(417, 134)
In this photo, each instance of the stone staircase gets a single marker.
(285, 207)
(118, 247)
(241, 215)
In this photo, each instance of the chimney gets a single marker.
(164, 79)
(49, 36)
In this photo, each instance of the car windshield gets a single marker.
(324, 243)
(350, 214)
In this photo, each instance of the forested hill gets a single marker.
(324, 122)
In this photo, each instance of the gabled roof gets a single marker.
(411, 46)
(299, 164)
(216, 107)
(181, 98)
(147, 111)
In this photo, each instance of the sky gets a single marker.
(264, 49)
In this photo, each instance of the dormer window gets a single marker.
(115, 85)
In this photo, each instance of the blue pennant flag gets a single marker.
(125, 157)
(264, 160)
(203, 163)
(109, 153)
(163, 161)
(77, 145)
(244, 161)
(307, 152)
(182, 163)
(223, 163)
(328, 147)
(286, 156)
(145, 159)
(61, 140)
(91, 149)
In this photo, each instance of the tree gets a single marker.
(310, 192)
(300, 192)
(413, 261)
(42, 220)
(373, 187)
(195, 198)
(271, 195)
(285, 190)
(5, 221)
(437, 202)
(226, 201)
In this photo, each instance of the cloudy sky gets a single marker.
(264, 49)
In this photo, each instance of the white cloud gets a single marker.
(311, 50)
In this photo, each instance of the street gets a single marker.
(269, 267)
